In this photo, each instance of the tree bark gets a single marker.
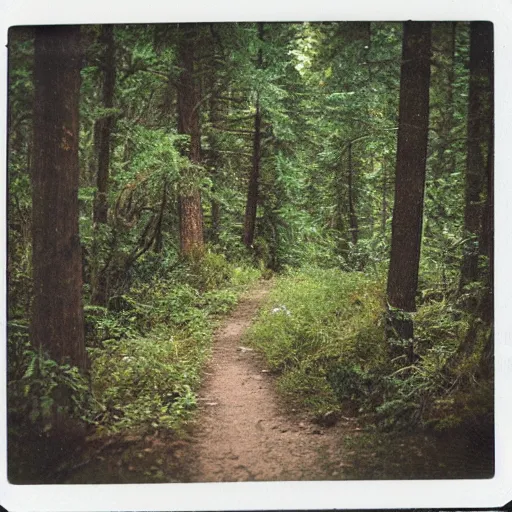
(105, 124)
(103, 131)
(342, 213)
(57, 317)
(480, 121)
(410, 177)
(443, 78)
(189, 203)
(213, 141)
(253, 189)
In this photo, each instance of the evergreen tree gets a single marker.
(252, 192)
(188, 103)
(102, 143)
(480, 127)
(57, 318)
(410, 179)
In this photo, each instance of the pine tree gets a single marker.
(190, 210)
(410, 178)
(57, 317)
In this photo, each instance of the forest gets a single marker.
(329, 185)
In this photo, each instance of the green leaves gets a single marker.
(45, 388)
(330, 352)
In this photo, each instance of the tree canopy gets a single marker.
(155, 171)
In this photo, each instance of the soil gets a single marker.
(244, 432)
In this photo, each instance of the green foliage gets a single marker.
(146, 383)
(323, 333)
(208, 270)
(146, 350)
(46, 390)
(321, 88)
(147, 360)
(317, 319)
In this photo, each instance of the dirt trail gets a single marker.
(242, 432)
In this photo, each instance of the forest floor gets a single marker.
(243, 431)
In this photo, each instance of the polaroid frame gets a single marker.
(472, 494)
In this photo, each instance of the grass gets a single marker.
(146, 353)
(146, 377)
(323, 332)
(315, 321)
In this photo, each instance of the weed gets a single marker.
(323, 332)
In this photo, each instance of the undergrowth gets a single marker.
(323, 333)
(146, 351)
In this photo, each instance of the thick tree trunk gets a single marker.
(253, 189)
(57, 316)
(410, 177)
(479, 133)
(103, 131)
(190, 210)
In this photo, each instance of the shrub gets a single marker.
(146, 373)
(46, 389)
(146, 350)
(323, 333)
(208, 270)
(318, 324)
(147, 383)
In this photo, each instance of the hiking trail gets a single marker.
(243, 431)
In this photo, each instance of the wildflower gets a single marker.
(280, 309)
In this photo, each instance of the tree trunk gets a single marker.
(190, 210)
(480, 122)
(158, 243)
(341, 224)
(253, 189)
(103, 131)
(487, 232)
(213, 158)
(410, 178)
(443, 36)
(57, 316)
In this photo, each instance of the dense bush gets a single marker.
(323, 332)
(43, 391)
(147, 378)
(146, 351)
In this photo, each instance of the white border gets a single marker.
(458, 494)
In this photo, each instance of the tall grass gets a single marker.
(323, 333)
